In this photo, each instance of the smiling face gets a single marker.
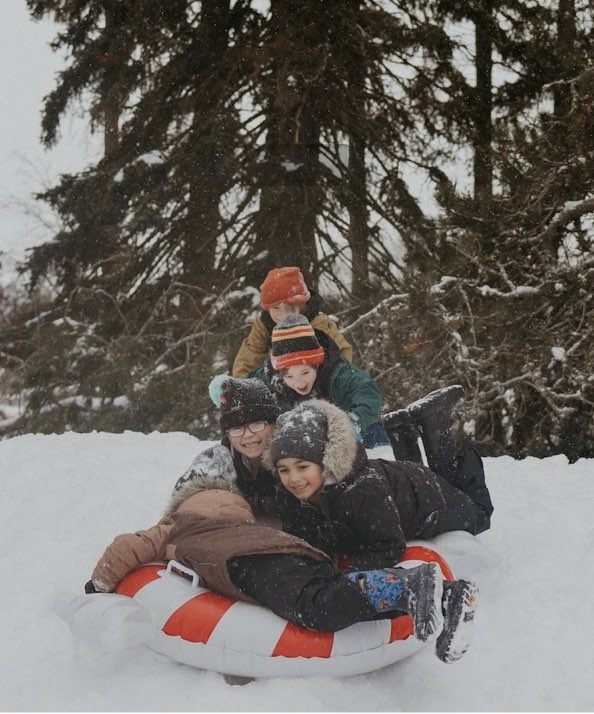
(277, 312)
(301, 478)
(252, 444)
(300, 378)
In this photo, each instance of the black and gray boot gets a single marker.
(416, 591)
(403, 436)
(460, 600)
(432, 415)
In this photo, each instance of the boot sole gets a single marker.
(454, 640)
(428, 616)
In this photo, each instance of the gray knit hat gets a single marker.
(300, 434)
(315, 431)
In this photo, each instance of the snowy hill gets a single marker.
(64, 497)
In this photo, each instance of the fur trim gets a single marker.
(341, 445)
(213, 468)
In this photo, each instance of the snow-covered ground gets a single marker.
(64, 497)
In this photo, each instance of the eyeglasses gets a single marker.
(254, 427)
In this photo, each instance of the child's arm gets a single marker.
(364, 523)
(356, 393)
(324, 323)
(253, 351)
(130, 551)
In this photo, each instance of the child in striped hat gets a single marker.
(282, 293)
(305, 363)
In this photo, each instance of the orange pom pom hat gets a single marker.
(283, 285)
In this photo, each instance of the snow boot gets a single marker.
(416, 591)
(403, 436)
(460, 600)
(433, 415)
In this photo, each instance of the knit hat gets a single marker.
(294, 342)
(300, 434)
(243, 401)
(315, 431)
(283, 285)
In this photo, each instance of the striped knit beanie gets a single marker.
(294, 342)
(283, 285)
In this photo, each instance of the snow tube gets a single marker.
(201, 628)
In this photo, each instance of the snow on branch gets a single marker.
(517, 292)
(384, 303)
(571, 211)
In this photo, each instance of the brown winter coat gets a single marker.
(207, 529)
(255, 348)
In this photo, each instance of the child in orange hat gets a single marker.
(282, 293)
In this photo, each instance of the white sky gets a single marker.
(29, 70)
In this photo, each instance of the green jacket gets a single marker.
(339, 381)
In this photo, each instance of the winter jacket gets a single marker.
(204, 530)
(255, 348)
(338, 381)
(259, 490)
(370, 508)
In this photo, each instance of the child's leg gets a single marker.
(460, 513)
(314, 594)
(433, 416)
(470, 478)
(307, 592)
(463, 468)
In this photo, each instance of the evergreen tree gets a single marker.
(240, 136)
(510, 317)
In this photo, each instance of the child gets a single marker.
(305, 363)
(340, 502)
(211, 529)
(283, 292)
(248, 412)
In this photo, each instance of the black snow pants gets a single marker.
(307, 592)
(470, 478)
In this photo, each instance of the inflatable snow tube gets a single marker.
(201, 628)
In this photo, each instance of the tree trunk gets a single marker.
(358, 235)
(483, 165)
(566, 56)
(206, 179)
(290, 191)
